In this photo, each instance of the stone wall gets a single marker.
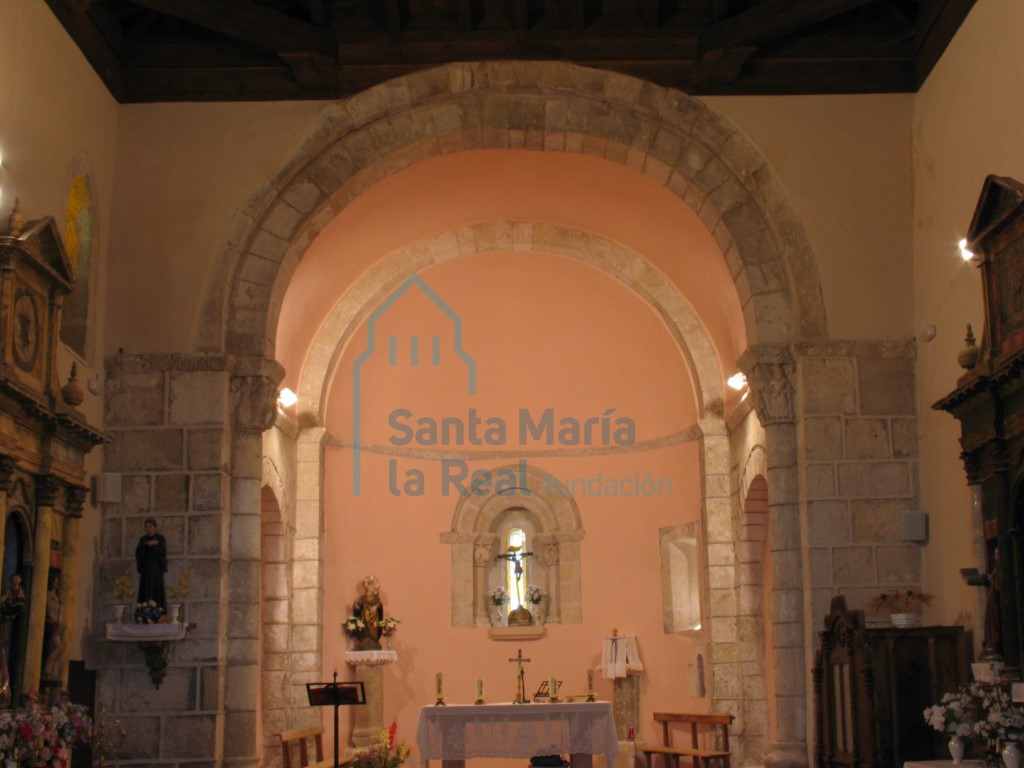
(165, 416)
(185, 439)
(859, 440)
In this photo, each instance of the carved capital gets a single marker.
(769, 370)
(48, 490)
(75, 502)
(254, 383)
(7, 467)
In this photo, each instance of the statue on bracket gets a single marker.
(368, 610)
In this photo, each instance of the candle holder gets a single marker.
(479, 693)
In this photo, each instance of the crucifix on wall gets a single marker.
(515, 555)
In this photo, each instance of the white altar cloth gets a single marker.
(466, 731)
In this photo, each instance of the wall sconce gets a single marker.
(286, 398)
(965, 254)
(737, 381)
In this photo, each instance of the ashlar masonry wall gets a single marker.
(860, 468)
(185, 439)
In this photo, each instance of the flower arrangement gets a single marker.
(978, 710)
(181, 588)
(389, 625)
(123, 585)
(148, 613)
(384, 753)
(352, 626)
(900, 601)
(535, 594)
(498, 595)
(36, 736)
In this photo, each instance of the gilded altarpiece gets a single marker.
(43, 443)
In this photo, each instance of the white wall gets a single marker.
(967, 124)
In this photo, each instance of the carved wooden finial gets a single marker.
(16, 222)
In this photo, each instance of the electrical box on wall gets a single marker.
(915, 525)
(107, 488)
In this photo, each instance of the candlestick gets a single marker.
(553, 689)
(479, 691)
(590, 685)
(439, 701)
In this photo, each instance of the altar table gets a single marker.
(457, 733)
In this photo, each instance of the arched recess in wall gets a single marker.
(476, 539)
(753, 609)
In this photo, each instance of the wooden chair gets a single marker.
(720, 757)
(302, 737)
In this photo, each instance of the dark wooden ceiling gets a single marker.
(257, 50)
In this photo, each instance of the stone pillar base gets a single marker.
(787, 755)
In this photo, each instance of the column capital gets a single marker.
(48, 490)
(254, 382)
(7, 467)
(769, 370)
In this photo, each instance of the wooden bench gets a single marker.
(710, 724)
(302, 737)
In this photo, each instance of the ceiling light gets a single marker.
(287, 398)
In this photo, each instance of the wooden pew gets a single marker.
(702, 757)
(302, 737)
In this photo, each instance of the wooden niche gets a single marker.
(43, 443)
(989, 404)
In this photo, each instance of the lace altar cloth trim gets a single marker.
(143, 633)
(370, 658)
(517, 730)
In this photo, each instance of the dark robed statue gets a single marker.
(151, 563)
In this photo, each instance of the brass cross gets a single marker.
(520, 679)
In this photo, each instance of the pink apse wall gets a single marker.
(544, 331)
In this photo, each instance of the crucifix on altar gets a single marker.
(519, 615)
(520, 678)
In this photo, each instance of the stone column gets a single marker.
(253, 404)
(69, 588)
(368, 719)
(769, 370)
(7, 465)
(626, 706)
(47, 491)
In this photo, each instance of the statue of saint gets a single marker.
(370, 610)
(12, 601)
(52, 643)
(151, 563)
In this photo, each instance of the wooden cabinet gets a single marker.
(872, 686)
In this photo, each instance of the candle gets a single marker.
(553, 687)
(440, 686)
(479, 688)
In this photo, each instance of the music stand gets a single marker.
(335, 695)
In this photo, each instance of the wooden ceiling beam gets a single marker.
(771, 19)
(251, 22)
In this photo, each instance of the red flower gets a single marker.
(26, 730)
(391, 734)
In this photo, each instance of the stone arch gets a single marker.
(675, 139)
(670, 137)
(474, 542)
(614, 259)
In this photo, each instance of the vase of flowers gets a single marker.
(903, 606)
(537, 602)
(497, 599)
(353, 626)
(388, 627)
(384, 753)
(983, 713)
(37, 736)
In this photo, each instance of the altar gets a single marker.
(455, 734)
